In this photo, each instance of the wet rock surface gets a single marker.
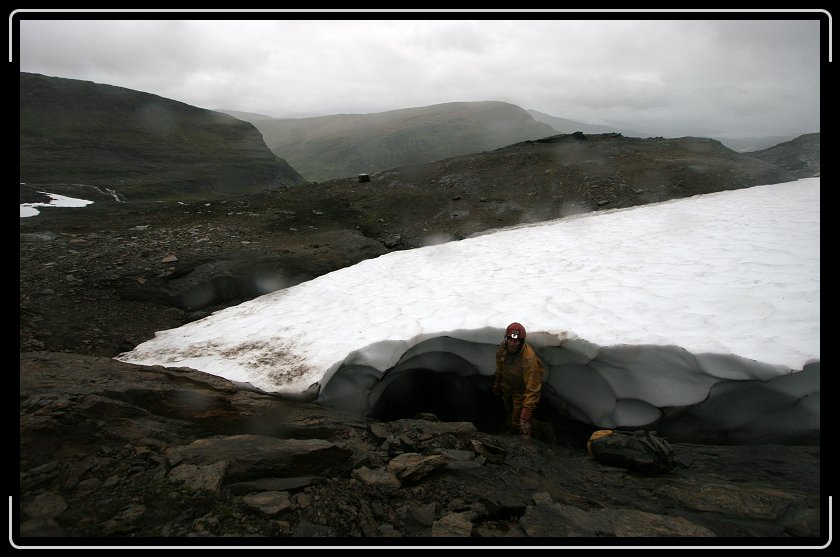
(109, 449)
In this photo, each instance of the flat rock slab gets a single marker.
(258, 456)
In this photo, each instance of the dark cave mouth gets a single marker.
(445, 394)
(456, 398)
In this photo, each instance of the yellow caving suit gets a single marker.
(519, 380)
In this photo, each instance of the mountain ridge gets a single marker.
(566, 126)
(341, 145)
(800, 155)
(74, 131)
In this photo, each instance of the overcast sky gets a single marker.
(729, 78)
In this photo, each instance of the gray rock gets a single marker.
(542, 498)
(392, 241)
(306, 529)
(460, 465)
(366, 520)
(412, 467)
(88, 485)
(801, 522)
(269, 502)
(461, 460)
(435, 428)
(303, 500)
(455, 525)
(200, 478)
(568, 521)
(422, 514)
(273, 484)
(455, 454)
(635, 523)
(47, 468)
(38, 236)
(378, 476)
(379, 430)
(44, 506)
(500, 502)
(494, 454)
(255, 456)
(124, 520)
(388, 531)
(428, 416)
(41, 528)
(757, 502)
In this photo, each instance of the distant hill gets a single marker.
(566, 126)
(752, 144)
(143, 145)
(800, 155)
(739, 144)
(246, 116)
(343, 145)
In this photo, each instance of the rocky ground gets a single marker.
(114, 450)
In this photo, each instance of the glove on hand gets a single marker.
(525, 422)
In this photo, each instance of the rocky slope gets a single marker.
(113, 450)
(800, 156)
(144, 146)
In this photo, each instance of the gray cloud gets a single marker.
(667, 77)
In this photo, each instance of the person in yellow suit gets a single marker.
(518, 379)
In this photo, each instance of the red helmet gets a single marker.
(515, 328)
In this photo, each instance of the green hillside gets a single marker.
(342, 145)
(144, 146)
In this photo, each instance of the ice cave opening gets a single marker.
(701, 398)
